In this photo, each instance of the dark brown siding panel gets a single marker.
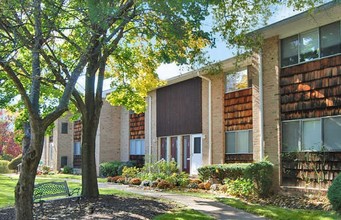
(179, 108)
(311, 89)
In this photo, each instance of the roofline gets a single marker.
(297, 17)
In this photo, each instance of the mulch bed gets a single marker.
(105, 207)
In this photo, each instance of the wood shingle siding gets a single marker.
(136, 126)
(77, 131)
(238, 110)
(311, 89)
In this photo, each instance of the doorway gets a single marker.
(196, 153)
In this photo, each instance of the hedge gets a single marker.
(4, 166)
(13, 165)
(222, 171)
(334, 194)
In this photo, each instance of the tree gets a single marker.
(8, 146)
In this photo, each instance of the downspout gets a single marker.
(150, 129)
(261, 103)
(209, 117)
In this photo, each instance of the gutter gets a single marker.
(150, 129)
(209, 117)
(261, 103)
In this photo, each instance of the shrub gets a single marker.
(334, 194)
(161, 169)
(240, 187)
(7, 157)
(222, 171)
(135, 181)
(45, 170)
(109, 168)
(67, 170)
(182, 179)
(13, 165)
(163, 184)
(4, 166)
(130, 172)
(261, 173)
(125, 164)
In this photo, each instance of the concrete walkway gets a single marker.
(210, 207)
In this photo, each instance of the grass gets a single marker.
(183, 214)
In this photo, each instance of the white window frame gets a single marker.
(248, 130)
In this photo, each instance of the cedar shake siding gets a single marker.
(238, 116)
(179, 108)
(311, 90)
(77, 137)
(136, 128)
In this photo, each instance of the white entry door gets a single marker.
(196, 153)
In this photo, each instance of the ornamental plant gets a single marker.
(334, 194)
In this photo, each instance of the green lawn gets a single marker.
(183, 214)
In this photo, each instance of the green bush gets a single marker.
(109, 168)
(261, 173)
(13, 165)
(67, 170)
(4, 166)
(240, 187)
(6, 157)
(125, 164)
(130, 172)
(334, 194)
(222, 171)
(160, 170)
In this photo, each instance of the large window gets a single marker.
(137, 147)
(312, 134)
(236, 81)
(77, 148)
(313, 44)
(239, 142)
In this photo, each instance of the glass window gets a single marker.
(331, 134)
(64, 128)
(290, 136)
(77, 148)
(239, 142)
(137, 147)
(236, 81)
(309, 45)
(330, 39)
(289, 49)
(197, 145)
(311, 135)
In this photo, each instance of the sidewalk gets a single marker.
(210, 207)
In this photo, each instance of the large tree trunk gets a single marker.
(32, 150)
(89, 174)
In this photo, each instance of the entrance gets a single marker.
(196, 156)
(186, 153)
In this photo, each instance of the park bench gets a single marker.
(50, 190)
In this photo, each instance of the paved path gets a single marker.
(210, 207)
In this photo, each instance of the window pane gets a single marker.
(142, 147)
(242, 142)
(197, 145)
(331, 133)
(230, 142)
(250, 142)
(132, 147)
(309, 45)
(236, 81)
(64, 128)
(138, 147)
(330, 39)
(289, 48)
(77, 148)
(311, 135)
(290, 136)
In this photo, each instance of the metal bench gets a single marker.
(51, 190)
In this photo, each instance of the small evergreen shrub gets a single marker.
(13, 165)
(222, 171)
(261, 173)
(67, 170)
(125, 164)
(4, 166)
(334, 194)
(109, 168)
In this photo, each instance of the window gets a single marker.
(197, 145)
(312, 134)
(64, 128)
(137, 147)
(239, 142)
(236, 81)
(330, 39)
(310, 45)
(77, 148)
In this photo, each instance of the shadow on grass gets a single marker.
(183, 215)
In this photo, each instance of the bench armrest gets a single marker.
(75, 192)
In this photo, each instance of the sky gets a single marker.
(221, 52)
